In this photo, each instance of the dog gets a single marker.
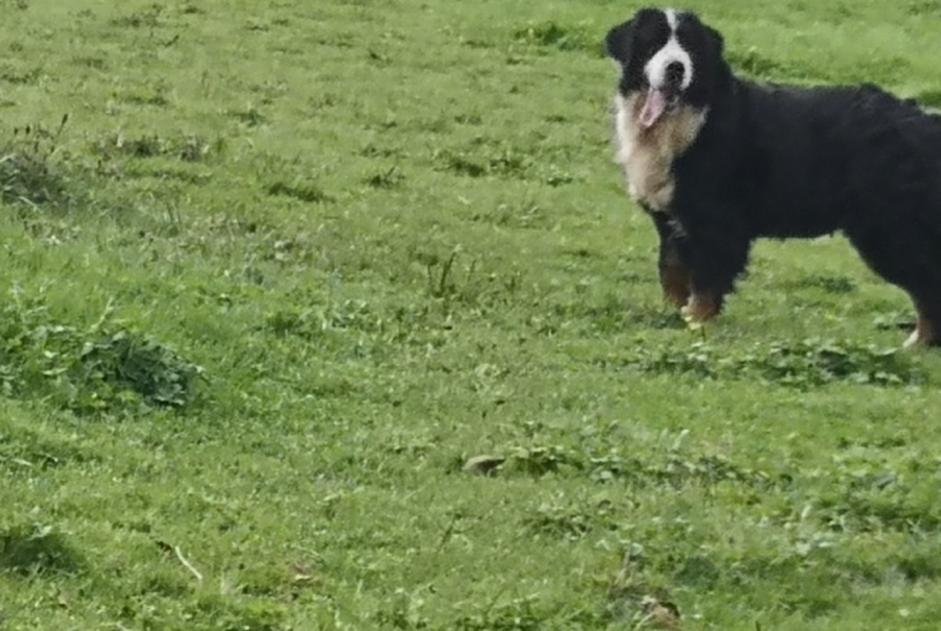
(718, 161)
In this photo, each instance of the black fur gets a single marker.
(784, 162)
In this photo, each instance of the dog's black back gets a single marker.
(806, 162)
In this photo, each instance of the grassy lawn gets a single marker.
(272, 273)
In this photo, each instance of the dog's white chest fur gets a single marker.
(647, 155)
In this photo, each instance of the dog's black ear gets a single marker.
(717, 40)
(619, 42)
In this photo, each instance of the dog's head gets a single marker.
(668, 58)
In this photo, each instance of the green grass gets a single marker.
(285, 267)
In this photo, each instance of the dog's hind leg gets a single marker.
(928, 330)
(908, 256)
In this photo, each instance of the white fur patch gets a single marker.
(647, 155)
(671, 18)
(672, 51)
(925, 334)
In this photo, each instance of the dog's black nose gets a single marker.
(675, 73)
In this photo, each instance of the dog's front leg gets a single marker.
(675, 277)
(715, 255)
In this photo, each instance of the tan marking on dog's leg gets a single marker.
(675, 281)
(702, 307)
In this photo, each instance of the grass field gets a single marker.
(272, 273)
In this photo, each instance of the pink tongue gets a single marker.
(654, 106)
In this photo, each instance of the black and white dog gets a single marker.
(718, 161)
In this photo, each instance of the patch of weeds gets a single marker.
(126, 361)
(916, 566)
(257, 25)
(373, 151)
(390, 178)
(95, 63)
(456, 279)
(559, 520)
(477, 43)
(802, 364)
(815, 362)
(517, 615)
(252, 117)
(819, 567)
(142, 147)
(16, 76)
(576, 37)
(404, 612)
(865, 496)
(655, 318)
(37, 550)
(189, 8)
(307, 193)
(315, 322)
(380, 59)
(697, 361)
(603, 314)
(96, 370)
(149, 17)
(675, 469)
(151, 99)
(704, 470)
(928, 8)
(829, 284)
(187, 147)
(508, 163)
(698, 571)
(32, 173)
(525, 214)
(462, 164)
(27, 451)
(634, 601)
(269, 91)
(263, 580)
(542, 460)
(570, 525)
(556, 177)
(472, 119)
(168, 583)
(504, 162)
(170, 173)
(253, 615)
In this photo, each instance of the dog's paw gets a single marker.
(701, 308)
(925, 335)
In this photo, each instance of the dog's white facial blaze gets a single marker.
(671, 18)
(656, 69)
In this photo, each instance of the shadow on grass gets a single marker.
(30, 550)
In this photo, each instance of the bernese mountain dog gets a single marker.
(718, 161)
